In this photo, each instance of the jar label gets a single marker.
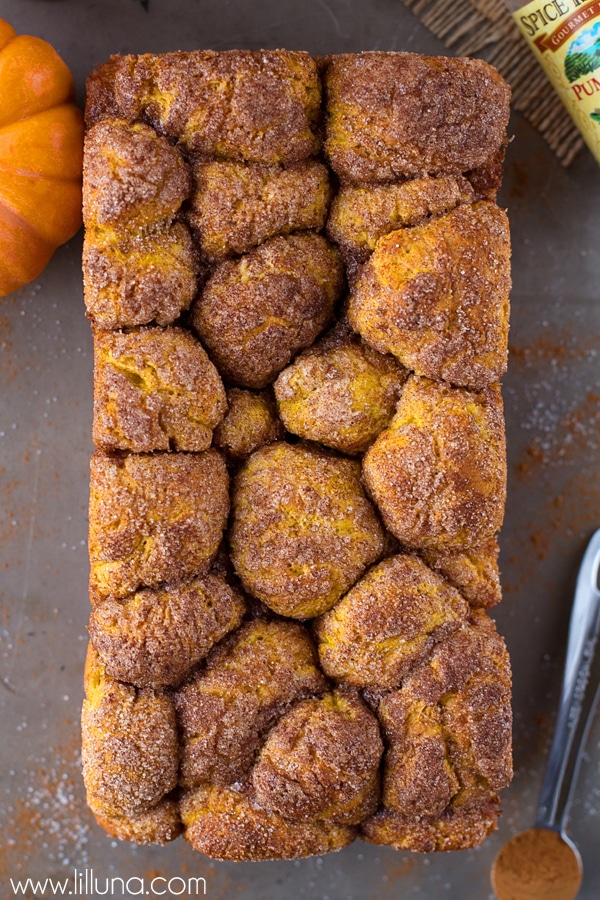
(565, 37)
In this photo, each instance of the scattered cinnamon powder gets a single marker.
(45, 818)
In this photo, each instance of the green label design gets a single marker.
(583, 55)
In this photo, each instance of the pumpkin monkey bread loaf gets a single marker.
(297, 279)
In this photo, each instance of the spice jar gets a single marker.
(564, 35)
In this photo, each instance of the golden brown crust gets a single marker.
(100, 102)
(250, 423)
(139, 265)
(339, 392)
(321, 761)
(486, 179)
(154, 389)
(397, 114)
(133, 177)
(461, 826)
(260, 106)
(235, 206)
(474, 572)
(303, 530)
(130, 749)
(143, 278)
(448, 738)
(226, 823)
(438, 473)
(154, 518)
(360, 215)
(255, 313)
(158, 825)
(153, 638)
(195, 158)
(436, 296)
(250, 679)
(387, 623)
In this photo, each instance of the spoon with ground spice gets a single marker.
(543, 863)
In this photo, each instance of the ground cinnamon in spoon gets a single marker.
(536, 865)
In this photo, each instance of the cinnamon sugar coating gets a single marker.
(138, 278)
(339, 392)
(100, 101)
(260, 106)
(154, 389)
(153, 638)
(486, 179)
(303, 531)
(227, 823)
(250, 680)
(360, 215)
(387, 623)
(438, 473)
(255, 313)
(251, 422)
(154, 518)
(395, 114)
(235, 206)
(436, 296)
(158, 825)
(321, 761)
(206, 712)
(464, 824)
(133, 177)
(139, 265)
(130, 749)
(474, 572)
(448, 738)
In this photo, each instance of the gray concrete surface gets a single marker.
(552, 395)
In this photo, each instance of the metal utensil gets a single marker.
(560, 880)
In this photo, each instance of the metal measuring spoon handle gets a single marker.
(578, 696)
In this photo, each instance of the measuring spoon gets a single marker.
(543, 863)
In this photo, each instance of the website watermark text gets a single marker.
(85, 883)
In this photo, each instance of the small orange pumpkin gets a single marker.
(41, 156)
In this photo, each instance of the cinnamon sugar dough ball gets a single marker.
(250, 423)
(133, 177)
(255, 313)
(321, 761)
(130, 750)
(250, 680)
(447, 732)
(360, 215)
(340, 392)
(153, 638)
(154, 389)
(438, 473)
(141, 277)
(465, 823)
(139, 265)
(303, 530)
(158, 825)
(261, 106)
(474, 571)
(235, 206)
(154, 518)
(388, 623)
(395, 114)
(437, 296)
(228, 823)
